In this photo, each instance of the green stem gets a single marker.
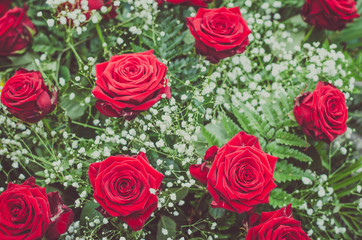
(71, 46)
(88, 126)
(103, 41)
(308, 34)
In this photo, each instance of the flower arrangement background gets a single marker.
(145, 119)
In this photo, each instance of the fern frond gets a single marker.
(284, 152)
(243, 121)
(210, 138)
(285, 171)
(289, 139)
(230, 127)
(279, 198)
(255, 120)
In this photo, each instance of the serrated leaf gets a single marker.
(279, 198)
(289, 139)
(214, 134)
(230, 127)
(255, 120)
(283, 152)
(287, 172)
(243, 121)
(270, 115)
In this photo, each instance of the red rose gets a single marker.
(219, 33)
(27, 97)
(278, 224)
(329, 14)
(4, 6)
(323, 113)
(125, 187)
(27, 212)
(129, 84)
(240, 176)
(16, 32)
(196, 3)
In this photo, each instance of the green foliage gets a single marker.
(285, 171)
(168, 46)
(217, 212)
(166, 223)
(280, 198)
(230, 127)
(286, 152)
(210, 137)
(89, 212)
(286, 138)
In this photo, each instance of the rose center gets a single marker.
(248, 175)
(125, 187)
(15, 211)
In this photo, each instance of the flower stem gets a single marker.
(308, 34)
(104, 43)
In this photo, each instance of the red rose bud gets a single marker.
(219, 33)
(16, 32)
(27, 97)
(278, 224)
(323, 113)
(24, 211)
(196, 3)
(241, 175)
(129, 84)
(200, 171)
(4, 6)
(329, 14)
(126, 188)
(61, 216)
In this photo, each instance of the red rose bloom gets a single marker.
(27, 212)
(125, 187)
(129, 84)
(323, 113)
(219, 33)
(27, 97)
(329, 14)
(278, 224)
(16, 32)
(4, 6)
(196, 3)
(240, 176)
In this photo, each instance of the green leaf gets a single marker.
(168, 224)
(289, 139)
(283, 152)
(287, 172)
(89, 210)
(243, 121)
(75, 108)
(270, 115)
(279, 198)
(217, 212)
(254, 119)
(231, 128)
(210, 137)
(181, 193)
(188, 38)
